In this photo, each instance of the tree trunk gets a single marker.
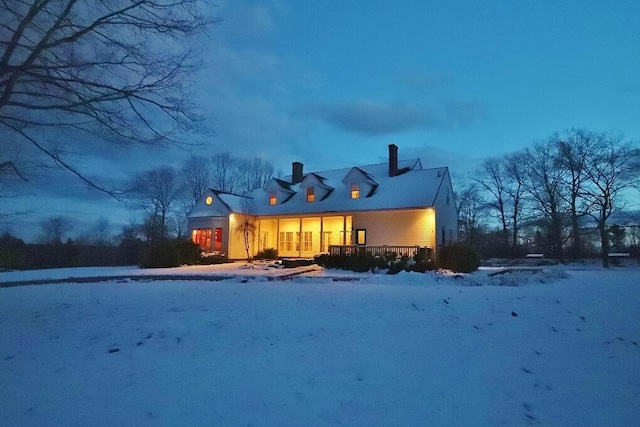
(576, 236)
(604, 239)
(246, 240)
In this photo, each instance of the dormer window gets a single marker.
(273, 199)
(310, 194)
(355, 191)
(359, 184)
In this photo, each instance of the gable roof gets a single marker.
(280, 184)
(358, 172)
(416, 188)
(223, 204)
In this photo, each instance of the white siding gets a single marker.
(235, 238)
(447, 213)
(396, 228)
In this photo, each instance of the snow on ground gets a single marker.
(263, 268)
(551, 346)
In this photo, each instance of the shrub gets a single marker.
(213, 257)
(12, 252)
(359, 262)
(459, 257)
(12, 259)
(365, 261)
(131, 252)
(171, 253)
(422, 266)
(395, 264)
(267, 254)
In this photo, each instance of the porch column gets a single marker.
(300, 238)
(344, 230)
(322, 248)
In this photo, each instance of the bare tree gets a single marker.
(492, 178)
(156, 192)
(129, 232)
(545, 183)
(470, 212)
(515, 189)
(100, 231)
(610, 170)
(226, 173)
(197, 176)
(502, 179)
(14, 173)
(247, 226)
(574, 149)
(256, 173)
(116, 70)
(54, 229)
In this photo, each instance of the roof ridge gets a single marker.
(348, 168)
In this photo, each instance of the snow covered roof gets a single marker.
(413, 187)
(235, 202)
(221, 205)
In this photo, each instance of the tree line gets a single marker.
(163, 196)
(551, 196)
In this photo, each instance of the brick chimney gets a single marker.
(393, 159)
(297, 172)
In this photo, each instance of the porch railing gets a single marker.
(410, 251)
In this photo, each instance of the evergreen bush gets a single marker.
(267, 254)
(459, 257)
(365, 261)
(12, 252)
(171, 253)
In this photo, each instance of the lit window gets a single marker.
(272, 198)
(218, 240)
(361, 237)
(355, 191)
(202, 237)
(208, 200)
(307, 241)
(286, 241)
(310, 194)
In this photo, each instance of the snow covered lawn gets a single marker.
(561, 348)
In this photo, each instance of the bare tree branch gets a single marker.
(117, 69)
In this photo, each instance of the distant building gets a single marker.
(396, 204)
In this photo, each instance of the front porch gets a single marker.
(409, 251)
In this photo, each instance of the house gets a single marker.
(397, 206)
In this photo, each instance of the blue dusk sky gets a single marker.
(332, 83)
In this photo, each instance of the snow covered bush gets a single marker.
(212, 257)
(365, 261)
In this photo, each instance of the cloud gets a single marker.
(371, 118)
(423, 81)
(245, 23)
(462, 113)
